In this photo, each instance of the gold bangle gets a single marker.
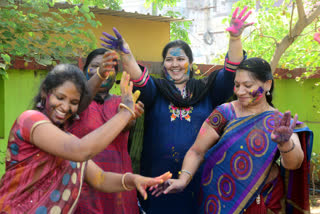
(121, 105)
(99, 75)
(186, 171)
(235, 37)
(122, 181)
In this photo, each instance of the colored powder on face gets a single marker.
(176, 52)
(257, 95)
(186, 68)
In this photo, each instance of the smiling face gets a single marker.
(249, 90)
(177, 64)
(92, 69)
(62, 103)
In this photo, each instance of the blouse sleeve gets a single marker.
(27, 122)
(224, 83)
(219, 118)
(147, 87)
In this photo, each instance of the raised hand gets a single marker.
(237, 24)
(142, 182)
(282, 127)
(107, 64)
(127, 98)
(317, 36)
(115, 43)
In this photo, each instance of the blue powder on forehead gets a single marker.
(175, 52)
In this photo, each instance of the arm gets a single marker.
(53, 140)
(237, 25)
(114, 182)
(288, 142)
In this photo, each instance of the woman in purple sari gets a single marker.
(239, 143)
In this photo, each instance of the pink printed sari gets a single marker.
(35, 181)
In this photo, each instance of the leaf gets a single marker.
(6, 58)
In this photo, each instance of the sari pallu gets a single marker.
(36, 181)
(236, 168)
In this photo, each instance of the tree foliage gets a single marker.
(178, 30)
(33, 29)
(283, 33)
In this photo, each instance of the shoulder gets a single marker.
(33, 115)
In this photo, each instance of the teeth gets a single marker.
(60, 113)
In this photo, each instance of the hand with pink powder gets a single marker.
(237, 24)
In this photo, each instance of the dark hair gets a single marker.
(92, 55)
(185, 47)
(58, 76)
(261, 70)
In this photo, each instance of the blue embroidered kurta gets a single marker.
(170, 131)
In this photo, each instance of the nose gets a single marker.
(66, 107)
(240, 90)
(174, 63)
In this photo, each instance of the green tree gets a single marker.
(283, 33)
(33, 29)
(178, 30)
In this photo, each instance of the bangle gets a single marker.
(235, 37)
(186, 171)
(289, 150)
(121, 105)
(122, 181)
(99, 75)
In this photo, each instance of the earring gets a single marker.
(40, 104)
(76, 117)
(268, 93)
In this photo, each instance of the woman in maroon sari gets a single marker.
(115, 157)
(45, 166)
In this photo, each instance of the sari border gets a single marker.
(80, 188)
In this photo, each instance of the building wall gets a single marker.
(145, 38)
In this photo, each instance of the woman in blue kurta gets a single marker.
(175, 108)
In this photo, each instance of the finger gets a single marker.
(295, 119)
(246, 16)
(107, 46)
(109, 36)
(122, 82)
(130, 87)
(116, 32)
(136, 96)
(142, 191)
(288, 119)
(165, 176)
(168, 189)
(276, 119)
(140, 104)
(235, 13)
(248, 24)
(231, 29)
(242, 12)
(106, 40)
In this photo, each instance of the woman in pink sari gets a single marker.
(45, 166)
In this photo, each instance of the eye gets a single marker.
(248, 86)
(59, 97)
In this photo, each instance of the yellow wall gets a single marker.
(146, 38)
